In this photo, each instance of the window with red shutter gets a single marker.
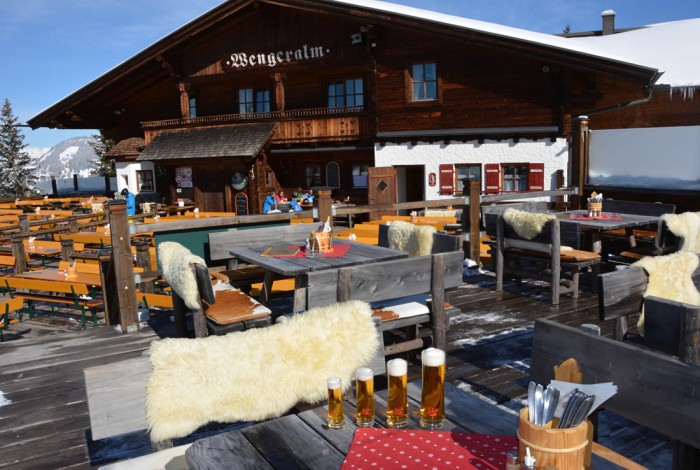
(492, 173)
(535, 177)
(447, 179)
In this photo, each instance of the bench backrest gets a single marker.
(654, 390)
(569, 232)
(8, 305)
(88, 268)
(44, 286)
(442, 242)
(220, 243)
(7, 261)
(155, 300)
(638, 207)
(386, 280)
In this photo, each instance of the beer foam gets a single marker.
(334, 382)
(433, 357)
(397, 367)
(364, 373)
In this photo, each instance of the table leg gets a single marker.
(299, 294)
(267, 287)
(597, 247)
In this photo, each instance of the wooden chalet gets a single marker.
(381, 102)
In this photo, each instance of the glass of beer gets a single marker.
(336, 418)
(397, 406)
(432, 403)
(364, 388)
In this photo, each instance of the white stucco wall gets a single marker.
(126, 171)
(554, 155)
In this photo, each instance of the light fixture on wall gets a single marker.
(356, 38)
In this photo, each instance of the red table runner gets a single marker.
(601, 217)
(337, 252)
(379, 448)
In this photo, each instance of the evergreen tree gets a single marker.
(102, 166)
(15, 163)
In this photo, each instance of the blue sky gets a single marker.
(52, 48)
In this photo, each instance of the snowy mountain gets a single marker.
(65, 159)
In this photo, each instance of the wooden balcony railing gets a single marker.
(293, 126)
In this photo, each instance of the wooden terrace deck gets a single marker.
(46, 425)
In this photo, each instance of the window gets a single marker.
(514, 177)
(469, 172)
(333, 175)
(253, 101)
(144, 180)
(424, 82)
(313, 176)
(347, 93)
(193, 106)
(359, 176)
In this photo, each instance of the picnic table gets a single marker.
(304, 440)
(299, 267)
(53, 274)
(88, 238)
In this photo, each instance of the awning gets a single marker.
(245, 140)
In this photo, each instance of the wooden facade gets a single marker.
(294, 56)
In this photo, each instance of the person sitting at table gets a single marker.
(270, 202)
(308, 198)
(281, 198)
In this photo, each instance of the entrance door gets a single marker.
(210, 187)
(381, 188)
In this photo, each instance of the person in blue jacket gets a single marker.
(270, 202)
(130, 202)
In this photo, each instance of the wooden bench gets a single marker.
(442, 242)
(655, 390)
(561, 267)
(7, 305)
(242, 276)
(672, 327)
(53, 292)
(7, 263)
(396, 288)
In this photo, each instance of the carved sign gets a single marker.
(240, 60)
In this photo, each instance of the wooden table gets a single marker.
(53, 274)
(304, 441)
(298, 268)
(597, 226)
(88, 238)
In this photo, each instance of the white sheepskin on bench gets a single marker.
(670, 277)
(417, 240)
(687, 226)
(255, 374)
(526, 224)
(176, 261)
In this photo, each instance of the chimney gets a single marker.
(608, 22)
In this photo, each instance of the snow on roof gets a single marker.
(670, 47)
(542, 39)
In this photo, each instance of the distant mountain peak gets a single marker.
(63, 160)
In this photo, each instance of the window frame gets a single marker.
(329, 180)
(362, 171)
(254, 100)
(458, 180)
(343, 82)
(409, 82)
(140, 180)
(516, 178)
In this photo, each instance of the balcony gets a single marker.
(315, 125)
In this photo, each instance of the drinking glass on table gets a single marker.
(397, 406)
(336, 418)
(364, 389)
(432, 403)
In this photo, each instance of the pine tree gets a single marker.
(15, 164)
(102, 166)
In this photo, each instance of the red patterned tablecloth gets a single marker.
(601, 217)
(338, 252)
(379, 448)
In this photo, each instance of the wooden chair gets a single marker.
(7, 305)
(541, 257)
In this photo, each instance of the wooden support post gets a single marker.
(143, 260)
(67, 249)
(323, 203)
(73, 224)
(437, 304)
(19, 254)
(23, 222)
(122, 266)
(474, 221)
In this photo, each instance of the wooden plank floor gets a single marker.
(46, 425)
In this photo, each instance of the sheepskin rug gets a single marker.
(175, 260)
(417, 240)
(255, 374)
(670, 277)
(526, 224)
(687, 226)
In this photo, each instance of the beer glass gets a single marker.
(397, 406)
(336, 418)
(432, 403)
(364, 389)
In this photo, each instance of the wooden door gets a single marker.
(210, 190)
(381, 189)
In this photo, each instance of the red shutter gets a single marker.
(535, 177)
(493, 178)
(447, 179)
